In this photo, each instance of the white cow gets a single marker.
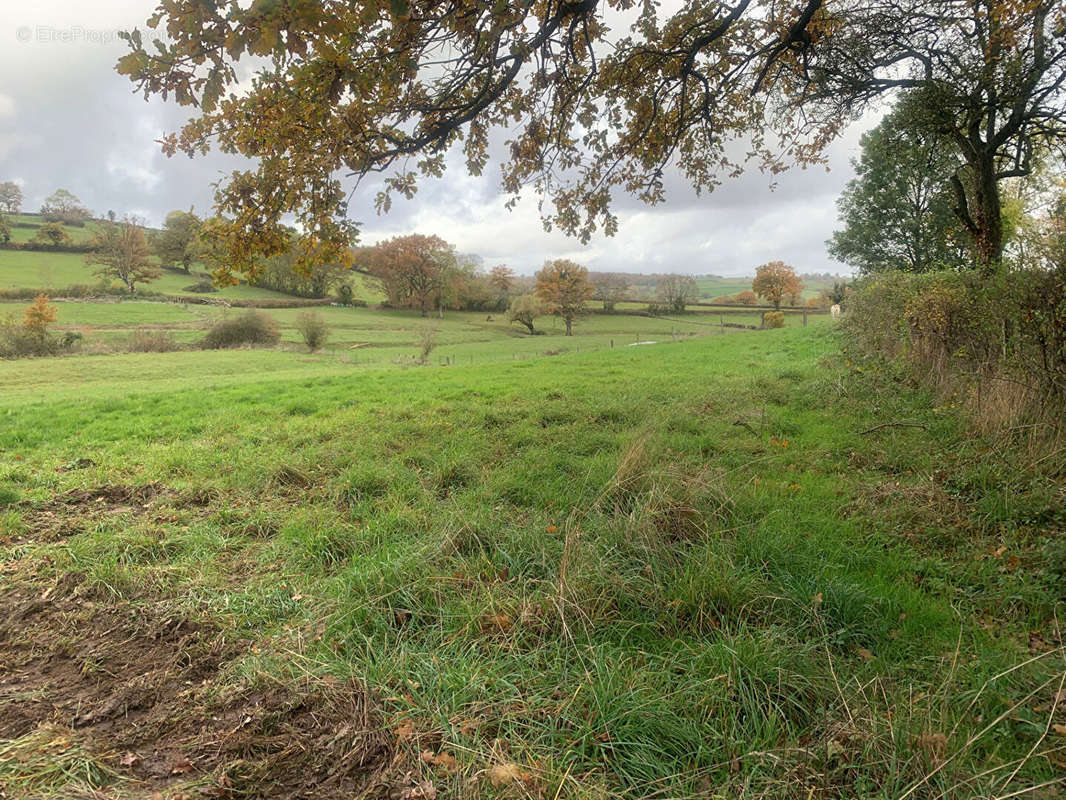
(835, 310)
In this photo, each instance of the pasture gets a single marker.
(694, 568)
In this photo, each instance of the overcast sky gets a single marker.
(68, 120)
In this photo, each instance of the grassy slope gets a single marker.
(583, 564)
(79, 235)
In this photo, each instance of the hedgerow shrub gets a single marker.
(967, 332)
(250, 328)
(773, 319)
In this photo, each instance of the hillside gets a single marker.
(40, 269)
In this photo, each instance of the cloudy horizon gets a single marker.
(70, 121)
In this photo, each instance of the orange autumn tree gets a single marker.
(414, 270)
(563, 286)
(775, 281)
(38, 316)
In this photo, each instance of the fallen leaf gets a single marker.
(130, 760)
(935, 743)
(181, 766)
(865, 654)
(1058, 729)
(504, 774)
(467, 727)
(442, 759)
(405, 732)
(496, 622)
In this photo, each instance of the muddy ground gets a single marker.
(140, 692)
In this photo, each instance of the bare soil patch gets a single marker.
(75, 511)
(143, 691)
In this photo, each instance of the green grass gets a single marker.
(78, 235)
(21, 269)
(362, 336)
(674, 571)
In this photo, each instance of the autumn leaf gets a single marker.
(443, 759)
(506, 774)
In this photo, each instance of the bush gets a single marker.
(201, 287)
(313, 329)
(152, 342)
(963, 332)
(773, 319)
(32, 336)
(250, 328)
(345, 294)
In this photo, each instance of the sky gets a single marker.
(67, 119)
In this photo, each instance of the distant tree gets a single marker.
(838, 292)
(775, 281)
(10, 197)
(897, 212)
(413, 270)
(293, 272)
(677, 291)
(564, 287)
(746, 298)
(502, 279)
(525, 309)
(52, 234)
(5, 230)
(609, 288)
(121, 251)
(62, 206)
(179, 241)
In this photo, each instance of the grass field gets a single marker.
(24, 228)
(709, 287)
(361, 335)
(687, 570)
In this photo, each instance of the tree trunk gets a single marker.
(988, 215)
(981, 213)
(569, 321)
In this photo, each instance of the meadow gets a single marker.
(716, 566)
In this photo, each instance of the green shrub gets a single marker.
(344, 294)
(250, 328)
(313, 329)
(964, 331)
(773, 319)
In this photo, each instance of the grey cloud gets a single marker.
(70, 121)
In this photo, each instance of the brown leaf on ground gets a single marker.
(496, 623)
(443, 759)
(505, 774)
